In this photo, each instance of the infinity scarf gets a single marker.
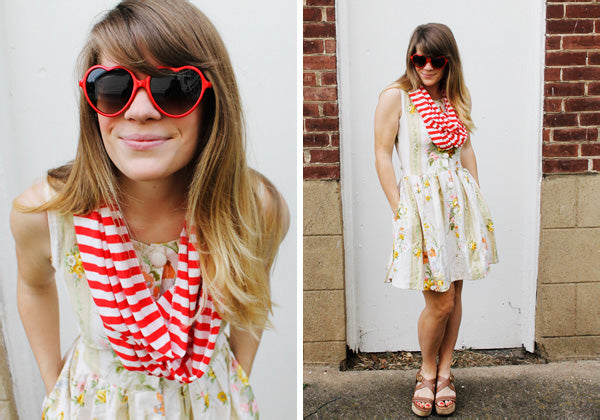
(444, 128)
(162, 338)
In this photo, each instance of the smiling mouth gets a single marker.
(143, 137)
(143, 142)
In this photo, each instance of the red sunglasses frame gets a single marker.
(145, 83)
(428, 60)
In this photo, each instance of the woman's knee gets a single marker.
(446, 307)
(443, 303)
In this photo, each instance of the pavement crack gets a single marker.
(321, 406)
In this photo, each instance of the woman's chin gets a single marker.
(147, 174)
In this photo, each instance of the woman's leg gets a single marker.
(432, 328)
(449, 340)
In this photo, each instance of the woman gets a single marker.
(161, 231)
(443, 232)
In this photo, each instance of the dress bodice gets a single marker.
(417, 153)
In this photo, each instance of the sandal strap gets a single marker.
(445, 383)
(425, 383)
(422, 400)
(446, 398)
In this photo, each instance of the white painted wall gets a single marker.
(39, 42)
(501, 45)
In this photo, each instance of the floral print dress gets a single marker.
(93, 383)
(442, 227)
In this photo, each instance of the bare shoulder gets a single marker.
(30, 229)
(390, 99)
(274, 207)
(33, 196)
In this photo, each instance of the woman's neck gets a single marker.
(154, 210)
(434, 91)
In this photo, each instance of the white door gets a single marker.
(501, 46)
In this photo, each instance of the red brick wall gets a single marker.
(321, 119)
(572, 87)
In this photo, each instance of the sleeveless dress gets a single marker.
(93, 383)
(442, 227)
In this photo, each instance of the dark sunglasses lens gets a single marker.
(176, 93)
(109, 91)
(438, 62)
(419, 60)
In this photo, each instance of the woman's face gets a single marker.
(430, 77)
(146, 145)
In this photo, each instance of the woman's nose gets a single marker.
(142, 108)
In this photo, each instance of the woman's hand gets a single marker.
(387, 115)
(37, 298)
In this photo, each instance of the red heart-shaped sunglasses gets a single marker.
(421, 61)
(176, 93)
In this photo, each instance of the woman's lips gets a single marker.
(143, 142)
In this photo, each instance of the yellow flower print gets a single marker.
(211, 374)
(101, 396)
(472, 246)
(80, 398)
(73, 262)
(222, 397)
(490, 226)
(395, 254)
(426, 226)
(397, 216)
(412, 109)
(455, 202)
(206, 400)
(242, 376)
(417, 251)
(457, 235)
(427, 197)
(426, 183)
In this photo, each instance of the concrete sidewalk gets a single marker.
(565, 390)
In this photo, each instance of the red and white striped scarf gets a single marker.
(445, 129)
(162, 338)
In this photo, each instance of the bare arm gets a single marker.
(387, 114)
(244, 346)
(467, 159)
(277, 216)
(37, 298)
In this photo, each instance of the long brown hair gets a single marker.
(226, 199)
(436, 39)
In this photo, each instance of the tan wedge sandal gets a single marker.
(445, 383)
(423, 383)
